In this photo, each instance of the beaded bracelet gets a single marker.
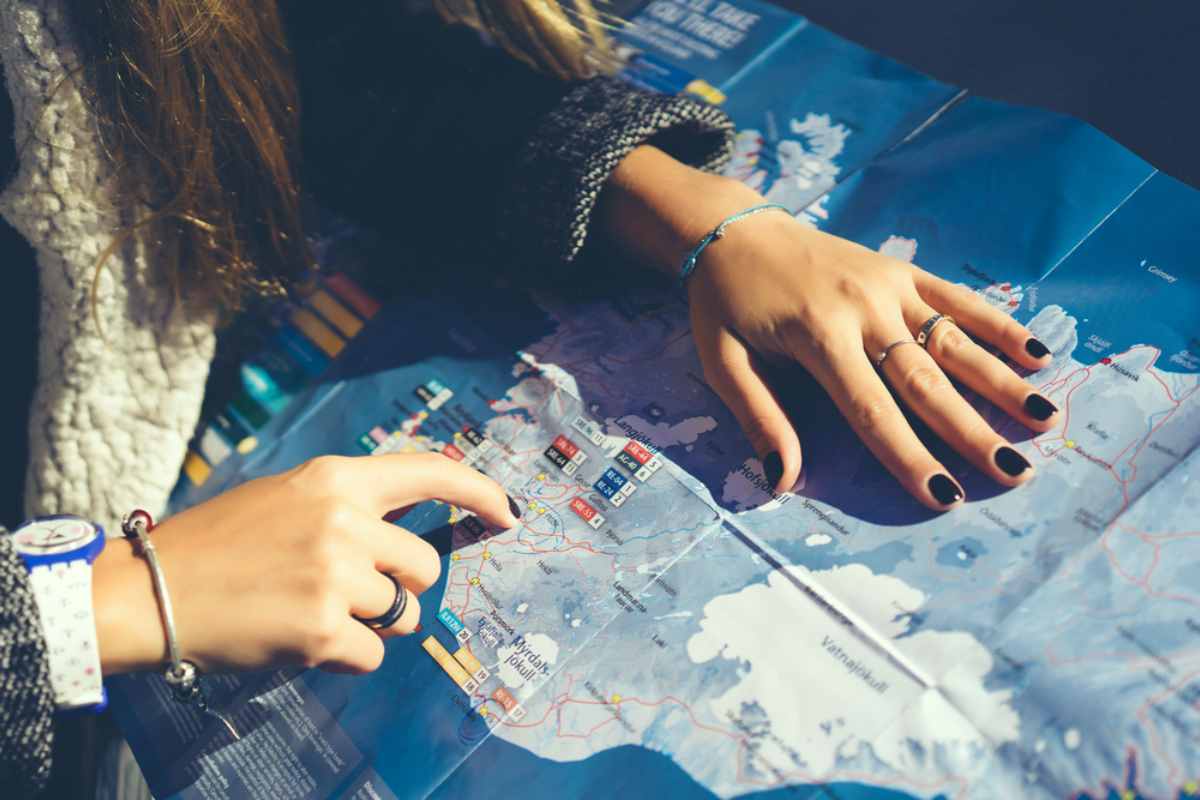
(689, 264)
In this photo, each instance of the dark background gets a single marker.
(1131, 69)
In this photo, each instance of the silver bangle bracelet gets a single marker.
(181, 675)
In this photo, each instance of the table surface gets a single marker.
(1129, 69)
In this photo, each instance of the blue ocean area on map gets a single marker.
(1004, 191)
(661, 624)
(1147, 247)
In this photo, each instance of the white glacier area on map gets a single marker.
(806, 689)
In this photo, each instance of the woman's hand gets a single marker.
(773, 287)
(274, 572)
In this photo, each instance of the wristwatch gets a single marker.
(58, 551)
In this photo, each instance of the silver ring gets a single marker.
(931, 323)
(887, 351)
(389, 618)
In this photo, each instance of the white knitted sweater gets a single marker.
(119, 388)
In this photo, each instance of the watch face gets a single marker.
(46, 537)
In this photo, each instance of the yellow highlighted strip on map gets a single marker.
(317, 331)
(465, 657)
(324, 304)
(446, 661)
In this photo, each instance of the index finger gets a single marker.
(394, 480)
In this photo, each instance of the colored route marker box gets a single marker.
(508, 703)
(449, 665)
(504, 698)
(587, 512)
(471, 664)
(628, 462)
(561, 460)
(588, 429)
(455, 625)
(638, 451)
(434, 394)
(566, 446)
(615, 478)
(570, 450)
(610, 492)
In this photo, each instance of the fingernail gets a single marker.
(945, 490)
(1011, 462)
(1039, 407)
(1036, 348)
(773, 469)
(514, 508)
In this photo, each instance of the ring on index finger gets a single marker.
(931, 323)
(390, 617)
(887, 351)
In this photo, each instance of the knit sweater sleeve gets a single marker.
(560, 171)
(26, 697)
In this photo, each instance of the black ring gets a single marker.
(388, 618)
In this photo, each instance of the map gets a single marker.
(661, 624)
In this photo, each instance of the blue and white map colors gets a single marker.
(687, 634)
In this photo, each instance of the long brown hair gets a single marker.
(197, 104)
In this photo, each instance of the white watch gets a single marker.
(58, 551)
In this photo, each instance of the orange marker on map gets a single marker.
(451, 667)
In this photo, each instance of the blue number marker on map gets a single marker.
(615, 478)
(450, 620)
(605, 488)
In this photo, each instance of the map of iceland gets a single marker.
(1035, 643)
(655, 622)
(801, 642)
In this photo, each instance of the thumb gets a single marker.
(735, 375)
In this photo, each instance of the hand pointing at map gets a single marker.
(860, 322)
(291, 569)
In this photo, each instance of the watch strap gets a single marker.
(63, 592)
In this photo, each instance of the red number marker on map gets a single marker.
(587, 513)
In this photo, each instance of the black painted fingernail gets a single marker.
(773, 469)
(945, 490)
(514, 508)
(1036, 348)
(1011, 462)
(1039, 407)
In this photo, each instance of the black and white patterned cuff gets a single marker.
(26, 697)
(560, 172)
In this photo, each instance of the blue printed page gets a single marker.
(702, 46)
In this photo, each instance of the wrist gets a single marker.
(658, 208)
(128, 625)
